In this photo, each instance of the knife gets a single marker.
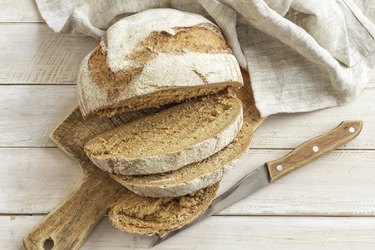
(273, 170)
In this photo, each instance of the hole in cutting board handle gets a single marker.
(48, 244)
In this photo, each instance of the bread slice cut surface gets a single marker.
(150, 216)
(190, 178)
(168, 140)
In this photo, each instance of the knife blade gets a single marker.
(273, 170)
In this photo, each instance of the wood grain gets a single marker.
(220, 232)
(289, 130)
(32, 53)
(332, 185)
(29, 113)
(245, 94)
(35, 180)
(19, 11)
(338, 184)
(313, 148)
(68, 225)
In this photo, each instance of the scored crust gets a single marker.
(167, 65)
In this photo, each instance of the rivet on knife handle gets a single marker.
(306, 152)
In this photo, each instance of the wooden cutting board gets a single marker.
(69, 224)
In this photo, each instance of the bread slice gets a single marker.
(150, 216)
(155, 57)
(190, 178)
(170, 139)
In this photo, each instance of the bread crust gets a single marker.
(157, 216)
(161, 186)
(169, 56)
(169, 161)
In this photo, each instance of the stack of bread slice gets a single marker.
(174, 159)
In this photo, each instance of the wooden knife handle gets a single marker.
(308, 151)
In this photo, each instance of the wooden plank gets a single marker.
(219, 232)
(19, 11)
(29, 113)
(253, 233)
(338, 184)
(290, 130)
(32, 53)
(70, 223)
(35, 180)
(372, 79)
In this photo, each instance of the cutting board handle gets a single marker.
(68, 225)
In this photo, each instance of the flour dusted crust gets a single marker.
(153, 58)
(192, 177)
(125, 35)
(126, 150)
(157, 216)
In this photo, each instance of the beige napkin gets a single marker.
(302, 55)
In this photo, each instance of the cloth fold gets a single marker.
(302, 55)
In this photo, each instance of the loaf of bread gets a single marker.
(190, 178)
(153, 58)
(150, 216)
(172, 160)
(175, 137)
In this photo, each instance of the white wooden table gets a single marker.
(329, 204)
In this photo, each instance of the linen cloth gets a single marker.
(302, 55)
